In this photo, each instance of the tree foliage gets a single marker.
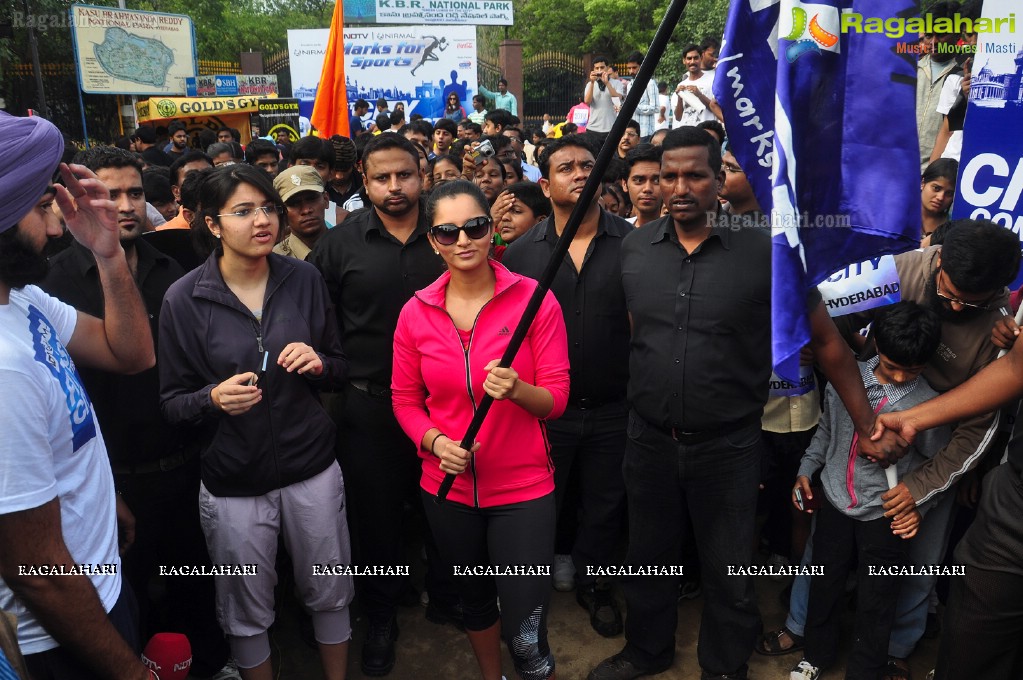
(615, 27)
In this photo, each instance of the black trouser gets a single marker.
(381, 470)
(782, 454)
(715, 482)
(167, 532)
(520, 534)
(596, 140)
(837, 539)
(982, 632)
(60, 664)
(593, 442)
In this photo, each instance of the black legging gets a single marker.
(517, 535)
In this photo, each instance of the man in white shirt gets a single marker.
(76, 618)
(695, 101)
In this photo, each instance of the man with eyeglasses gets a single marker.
(629, 140)
(964, 281)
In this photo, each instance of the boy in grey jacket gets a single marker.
(851, 517)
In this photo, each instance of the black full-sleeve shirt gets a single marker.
(370, 276)
(592, 301)
(701, 339)
(127, 406)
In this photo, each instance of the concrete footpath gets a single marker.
(430, 651)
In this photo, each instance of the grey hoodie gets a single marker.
(830, 447)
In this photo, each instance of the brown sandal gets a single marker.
(770, 644)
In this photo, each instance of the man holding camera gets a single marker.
(600, 90)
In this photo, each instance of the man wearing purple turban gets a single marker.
(59, 562)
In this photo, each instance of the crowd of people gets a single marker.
(257, 362)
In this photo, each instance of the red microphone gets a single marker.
(169, 655)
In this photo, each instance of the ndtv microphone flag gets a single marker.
(823, 122)
(330, 112)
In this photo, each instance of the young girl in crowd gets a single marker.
(453, 109)
(246, 341)
(500, 511)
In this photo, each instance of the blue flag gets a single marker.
(824, 124)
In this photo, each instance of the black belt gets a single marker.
(165, 464)
(699, 436)
(371, 389)
(588, 403)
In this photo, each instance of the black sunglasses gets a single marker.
(476, 228)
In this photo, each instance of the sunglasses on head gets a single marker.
(476, 228)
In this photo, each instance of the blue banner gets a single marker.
(823, 122)
(991, 165)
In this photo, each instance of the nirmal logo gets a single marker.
(811, 29)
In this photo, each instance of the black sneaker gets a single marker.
(604, 615)
(378, 649)
(618, 667)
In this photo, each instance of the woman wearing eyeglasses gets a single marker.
(247, 340)
(500, 511)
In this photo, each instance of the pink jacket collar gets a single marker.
(434, 293)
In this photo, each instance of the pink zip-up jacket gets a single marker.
(437, 383)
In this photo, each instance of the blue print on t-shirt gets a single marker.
(50, 352)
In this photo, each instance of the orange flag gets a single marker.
(330, 111)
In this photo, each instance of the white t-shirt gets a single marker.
(690, 116)
(665, 101)
(949, 92)
(51, 446)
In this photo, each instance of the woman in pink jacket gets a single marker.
(496, 530)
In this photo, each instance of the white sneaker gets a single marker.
(804, 670)
(228, 672)
(564, 573)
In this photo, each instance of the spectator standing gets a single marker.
(503, 99)
(649, 104)
(55, 481)
(590, 435)
(600, 89)
(695, 102)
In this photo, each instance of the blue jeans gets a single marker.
(715, 482)
(927, 547)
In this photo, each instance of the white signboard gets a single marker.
(129, 52)
(469, 12)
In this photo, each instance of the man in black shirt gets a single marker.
(155, 466)
(699, 299)
(591, 433)
(373, 263)
(145, 143)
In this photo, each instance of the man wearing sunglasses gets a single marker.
(964, 281)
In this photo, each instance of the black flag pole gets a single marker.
(603, 160)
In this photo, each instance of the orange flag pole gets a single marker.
(330, 110)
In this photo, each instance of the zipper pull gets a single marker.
(259, 343)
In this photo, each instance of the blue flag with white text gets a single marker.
(824, 124)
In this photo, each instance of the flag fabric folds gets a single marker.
(330, 111)
(824, 125)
